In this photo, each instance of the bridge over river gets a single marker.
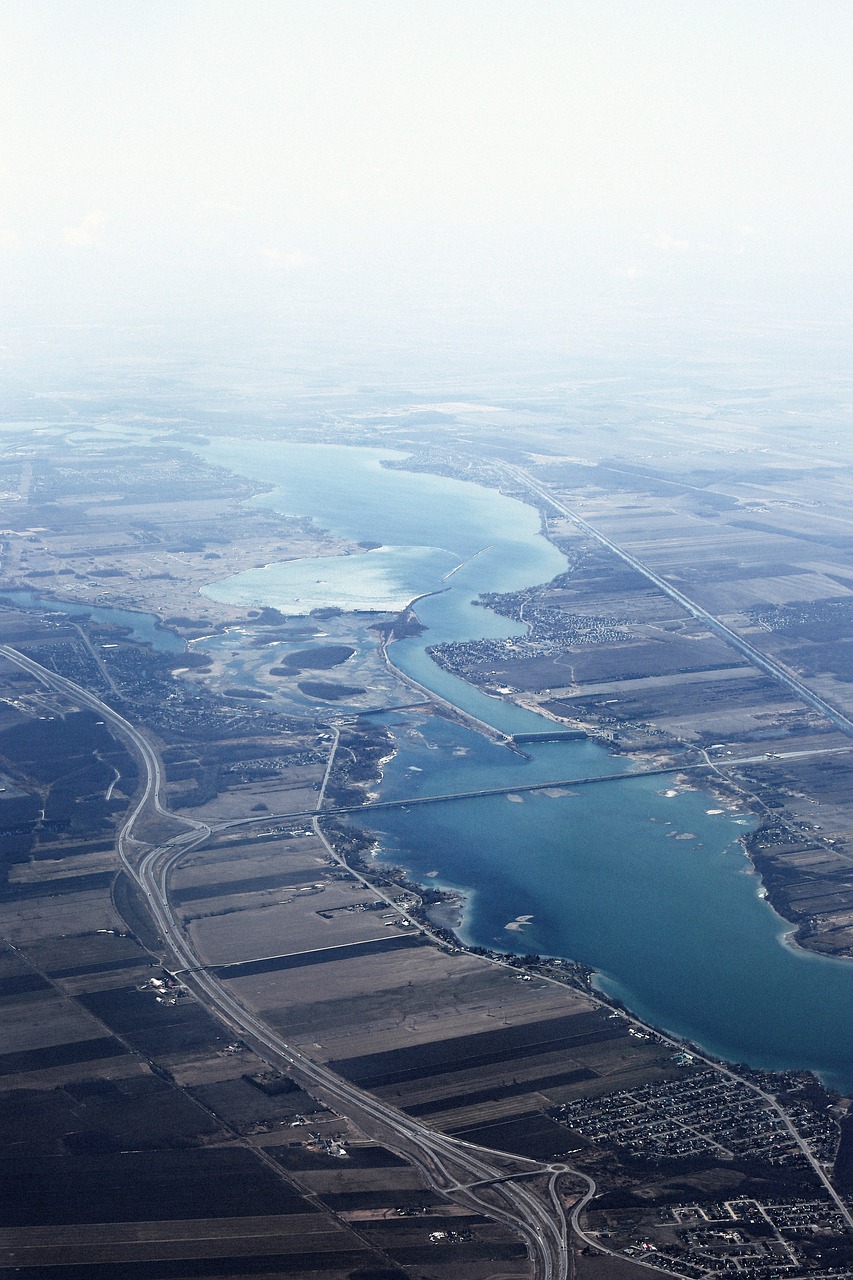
(408, 802)
(517, 789)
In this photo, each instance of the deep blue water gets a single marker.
(674, 925)
(651, 889)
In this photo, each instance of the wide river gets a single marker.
(650, 888)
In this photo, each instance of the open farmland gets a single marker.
(140, 1140)
(98, 1034)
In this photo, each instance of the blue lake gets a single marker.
(648, 887)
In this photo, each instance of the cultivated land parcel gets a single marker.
(235, 1044)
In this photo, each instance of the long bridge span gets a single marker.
(408, 802)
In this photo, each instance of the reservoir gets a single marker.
(646, 884)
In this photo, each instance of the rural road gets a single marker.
(471, 1175)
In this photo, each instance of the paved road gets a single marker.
(470, 1174)
(139, 744)
(709, 765)
(758, 659)
(449, 1165)
(436, 700)
(771, 668)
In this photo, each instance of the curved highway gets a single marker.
(139, 744)
(472, 1175)
(475, 1176)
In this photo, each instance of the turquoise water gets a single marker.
(384, 580)
(143, 627)
(426, 525)
(650, 888)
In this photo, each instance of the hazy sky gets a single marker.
(524, 159)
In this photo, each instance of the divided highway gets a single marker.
(471, 1175)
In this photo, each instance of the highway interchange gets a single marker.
(487, 1181)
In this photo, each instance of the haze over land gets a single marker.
(486, 178)
(426, 640)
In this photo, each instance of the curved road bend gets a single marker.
(448, 1164)
(153, 779)
(768, 665)
(543, 1231)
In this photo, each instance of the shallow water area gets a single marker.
(380, 581)
(261, 665)
(428, 525)
(634, 877)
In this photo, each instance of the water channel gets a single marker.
(648, 886)
(645, 883)
(142, 627)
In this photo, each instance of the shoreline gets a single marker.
(456, 911)
(447, 917)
